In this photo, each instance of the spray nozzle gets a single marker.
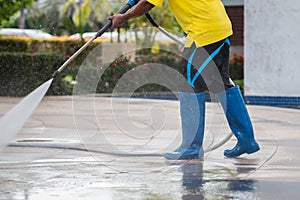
(55, 74)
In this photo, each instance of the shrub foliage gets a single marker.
(27, 63)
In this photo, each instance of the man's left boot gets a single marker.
(239, 122)
(192, 112)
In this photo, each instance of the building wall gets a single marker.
(272, 42)
(236, 15)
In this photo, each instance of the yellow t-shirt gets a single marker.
(204, 21)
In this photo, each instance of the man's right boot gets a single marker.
(239, 122)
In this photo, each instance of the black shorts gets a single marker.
(207, 68)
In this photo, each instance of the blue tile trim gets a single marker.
(272, 100)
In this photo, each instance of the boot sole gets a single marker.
(252, 150)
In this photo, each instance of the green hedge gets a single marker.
(22, 70)
(13, 45)
(26, 63)
(122, 65)
(64, 45)
(236, 67)
(21, 73)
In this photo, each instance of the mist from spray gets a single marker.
(13, 121)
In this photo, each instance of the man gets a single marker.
(205, 67)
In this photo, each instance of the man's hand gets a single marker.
(117, 20)
(141, 8)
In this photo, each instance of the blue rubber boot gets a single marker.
(239, 122)
(192, 111)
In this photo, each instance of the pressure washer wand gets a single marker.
(128, 5)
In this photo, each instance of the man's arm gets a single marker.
(141, 8)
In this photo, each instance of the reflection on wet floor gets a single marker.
(35, 173)
(187, 180)
(65, 173)
(192, 180)
(194, 185)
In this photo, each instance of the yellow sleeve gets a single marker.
(156, 2)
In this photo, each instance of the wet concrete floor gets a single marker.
(111, 148)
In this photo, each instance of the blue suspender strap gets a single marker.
(189, 66)
(204, 64)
